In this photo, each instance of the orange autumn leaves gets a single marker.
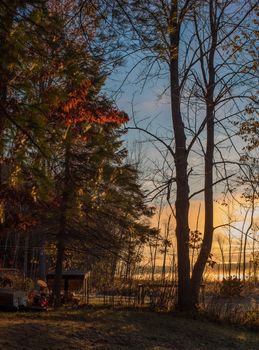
(78, 108)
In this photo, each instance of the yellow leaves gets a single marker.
(11, 66)
(171, 29)
(80, 206)
(32, 66)
(61, 66)
(174, 52)
(14, 176)
(36, 17)
(64, 137)
(23, 140)
(93, 197)
(2, 213)
(34, 193)
(80, 192)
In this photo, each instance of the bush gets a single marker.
(231, 312)
(231, 287)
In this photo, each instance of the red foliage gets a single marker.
(78, 108)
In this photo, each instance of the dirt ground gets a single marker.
(106, 329)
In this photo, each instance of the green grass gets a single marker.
(107, 329)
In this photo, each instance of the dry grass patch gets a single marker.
(106, 329)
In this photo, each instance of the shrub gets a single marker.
(231, 287)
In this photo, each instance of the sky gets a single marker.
(151, 109)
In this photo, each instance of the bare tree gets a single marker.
(202, 48)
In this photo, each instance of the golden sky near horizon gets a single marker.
(222, 215)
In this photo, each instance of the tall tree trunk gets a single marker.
(181, 165)
(61, 237)
(208, 186)
(58, 272)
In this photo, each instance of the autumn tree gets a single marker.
(49, 51)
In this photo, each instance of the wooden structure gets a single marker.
(72, 282)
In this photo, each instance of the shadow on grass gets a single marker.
(104, 329)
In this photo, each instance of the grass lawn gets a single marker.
(107, 329)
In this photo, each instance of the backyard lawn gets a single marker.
(102, 328)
